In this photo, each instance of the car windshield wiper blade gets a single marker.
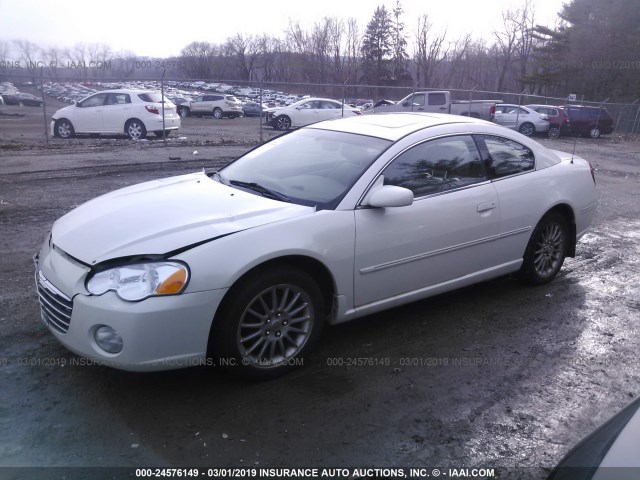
(256, 187)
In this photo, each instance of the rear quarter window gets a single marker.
(504, 157)
(151, 97)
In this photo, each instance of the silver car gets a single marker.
(218, 105)
(522, 119)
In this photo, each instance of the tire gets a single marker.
(594, 132)
(527, 129)
(282, 122)
(554, 132)
(135, 129)
(159, 133)
(546, 250)
(270, 321)
(21, 103)
(64, 129)
(217, 113)
(184, 112)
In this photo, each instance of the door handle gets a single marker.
(483, 207)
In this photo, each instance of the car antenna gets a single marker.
(575, 140)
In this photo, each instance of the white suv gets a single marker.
(132, 112)
(218, 105)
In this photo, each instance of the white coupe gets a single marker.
(331, 222)
(307, 111)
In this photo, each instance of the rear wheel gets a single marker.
(554, 132)
(135, 129)
(546, 250)
(273, 320)
(217, 113)
(527, 129)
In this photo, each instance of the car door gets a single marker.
(116, 111)
(436, 102)
(197, 104)
(448, 232)
(329, 110)
(521, 191)
(306, 113)
(87, 116)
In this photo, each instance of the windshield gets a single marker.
(308, 166)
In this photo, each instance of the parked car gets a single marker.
(558, 119)
(245, 265)
(589, 121)
(522, 119)
(608, 453)
(132, 112)
(215, 104)
(441, 102)
(307, 111)
(253, 109)
(21, 99)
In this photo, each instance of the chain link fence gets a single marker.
(626, 115)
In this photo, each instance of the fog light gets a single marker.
(108, 339)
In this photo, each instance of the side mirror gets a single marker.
(389, 196)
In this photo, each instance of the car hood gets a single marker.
(64, 112)
(162, 216)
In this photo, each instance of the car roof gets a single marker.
(393, 126)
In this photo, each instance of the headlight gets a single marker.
(141, 280)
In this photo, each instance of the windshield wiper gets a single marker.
(264, 191)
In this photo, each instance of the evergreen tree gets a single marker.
(377, 47)
(594, 52)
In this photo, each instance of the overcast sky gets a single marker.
(162, 29)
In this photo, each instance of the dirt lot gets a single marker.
(511, 377)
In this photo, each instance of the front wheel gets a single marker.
(135, 130)
(527, 129)
(594, 132)
(546, 250)
(184, 112)
(283, 123)
(554, 132)
(64, 129)
(272, 319)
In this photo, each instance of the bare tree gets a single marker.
(198, 59)
(506, 42)
(28, 55)
(430, 52)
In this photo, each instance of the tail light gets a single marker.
(152, 109)
(492, 110)
(593, 173)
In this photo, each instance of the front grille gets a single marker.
(55, 306)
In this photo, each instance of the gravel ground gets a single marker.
(495, 375)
